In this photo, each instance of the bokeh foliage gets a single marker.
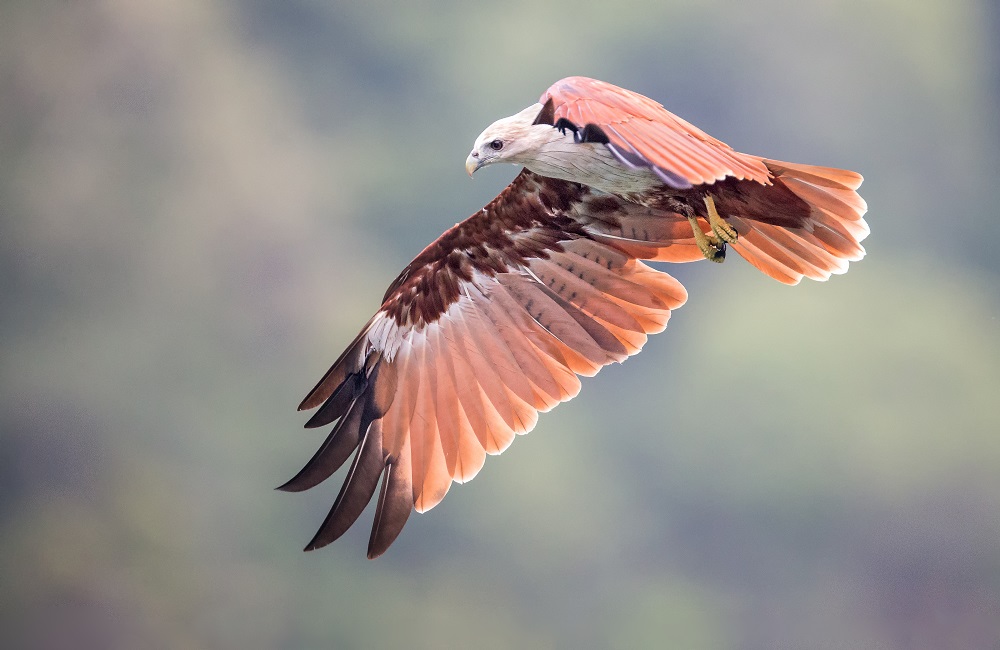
(202, 201)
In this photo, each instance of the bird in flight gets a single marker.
(496, 320)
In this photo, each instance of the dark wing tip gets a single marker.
(547, 115)
(359, 402)
(354, 403)
(341, 399)
(352, 360)
(334, 452)
(395, 503)
(357, 491)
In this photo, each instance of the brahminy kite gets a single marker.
(495, 320)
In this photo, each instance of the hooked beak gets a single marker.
(472, 163)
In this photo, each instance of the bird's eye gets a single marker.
(496, 145)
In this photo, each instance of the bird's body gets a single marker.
(494, 321)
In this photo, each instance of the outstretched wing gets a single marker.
(641, 133)
(490, 325)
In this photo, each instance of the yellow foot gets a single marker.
(711, 247)
(723, 230)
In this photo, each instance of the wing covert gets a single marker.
(641, 133)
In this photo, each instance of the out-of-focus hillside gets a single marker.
(202, 202)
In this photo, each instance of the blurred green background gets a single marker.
(203, 200)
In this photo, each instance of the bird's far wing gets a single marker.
(488, 326)
(641, 133)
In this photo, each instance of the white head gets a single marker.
(513, 139)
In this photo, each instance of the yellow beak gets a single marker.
(472, 164)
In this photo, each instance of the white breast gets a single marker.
(591, 164)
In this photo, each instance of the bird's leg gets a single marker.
(711, 246)
(723, 230)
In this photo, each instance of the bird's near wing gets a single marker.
(489, 325)
(641, 133)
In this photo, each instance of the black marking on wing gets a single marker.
(547, 114)
(594, 133)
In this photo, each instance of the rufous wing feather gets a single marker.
(437, 382)
(649, 135)
(809, 223)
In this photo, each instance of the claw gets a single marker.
(723, 230)
(710, 246)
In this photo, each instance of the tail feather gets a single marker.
(825, 234)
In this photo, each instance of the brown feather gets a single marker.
(334, 452)
(342, 398)
(350, 361)
(357, 490)
(395, 503)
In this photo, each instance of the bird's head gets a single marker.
(512, 140)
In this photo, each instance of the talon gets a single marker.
(716, 250)
(710, 246)
(723, 230)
